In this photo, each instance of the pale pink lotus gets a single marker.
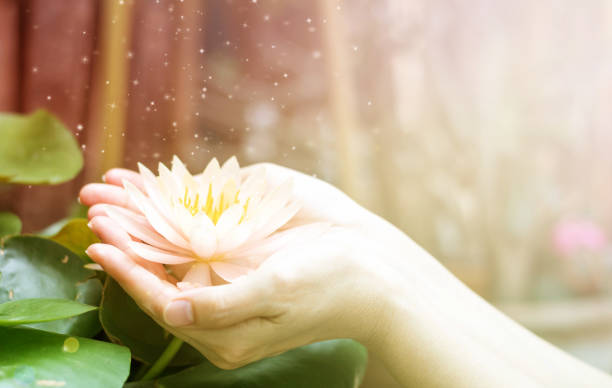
(221, 220)
(573, 236)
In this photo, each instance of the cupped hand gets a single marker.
(327, 285)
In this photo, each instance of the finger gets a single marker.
(110, 233)
(149, 291)
(222, 306)
(116, 176)
(95, 193)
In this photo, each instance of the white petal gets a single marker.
(178, 167)
(279, 219)
(153, 191)
(212, 170)
(203, 240)
(231, 169)
(272, 203)
(229, 219)
(138, 226)
(254, 185)
(150, 253)
(229, 272)
(155, 219)
(238, 235)
(198, 273)
(170, 185)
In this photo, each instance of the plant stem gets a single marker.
(164, 359)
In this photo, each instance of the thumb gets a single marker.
(216, 307)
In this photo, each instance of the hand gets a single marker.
(327, 286)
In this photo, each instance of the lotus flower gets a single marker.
(221, 220)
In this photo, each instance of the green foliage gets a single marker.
(34, 358)
(76, 236)
(125, 323)
(18, 312)
(37, 149)
(336, 363)
(35, 267)
(9, 224)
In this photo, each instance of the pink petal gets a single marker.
(229, 272)
(198, 273)
(153, 254)
(138, 226)
(156, 220)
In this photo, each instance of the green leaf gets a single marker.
(336, 363)
(76, 236)
(125, 323)
(36, 267)
(34, 358)
(9, 224)
(37, 149)
(19, 312)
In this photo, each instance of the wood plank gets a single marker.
(58, 41)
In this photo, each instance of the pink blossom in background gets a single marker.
(570, 237)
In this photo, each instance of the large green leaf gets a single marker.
(19, 312)
(76, 236)
(9, 224)
(36, 149)
(335, 364)
(35, 267)
(125, 323)
(34, 358)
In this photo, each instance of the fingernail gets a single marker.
(104, 178)
(89, 225)
(79, 200)
(179, 313)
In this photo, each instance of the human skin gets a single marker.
(363, 279)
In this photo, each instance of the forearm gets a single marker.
(440, 333)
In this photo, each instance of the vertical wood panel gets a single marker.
(58, 39)
(9, 55)
(151, 86)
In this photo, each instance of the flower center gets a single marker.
(213, 209)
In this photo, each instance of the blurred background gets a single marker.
(481, 128)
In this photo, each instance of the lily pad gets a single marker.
(19, 312)
(126, 324)
(34, 358)
(36, 267)
(37, 149)
(9, 224)
(76, 236)
(335, 363)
